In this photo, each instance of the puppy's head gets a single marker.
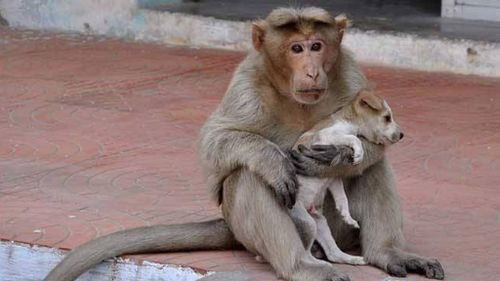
(377, 122)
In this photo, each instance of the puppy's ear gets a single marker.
(258, 34)
(367, 99)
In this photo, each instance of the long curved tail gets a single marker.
(210, 235)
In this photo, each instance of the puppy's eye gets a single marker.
(388, 118)
(296, 48)
(316, 47)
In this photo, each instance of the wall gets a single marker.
(123, 18)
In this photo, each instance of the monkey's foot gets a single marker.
(431, 268)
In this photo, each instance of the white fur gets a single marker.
(312, 192)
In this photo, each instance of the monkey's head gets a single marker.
(300, 49)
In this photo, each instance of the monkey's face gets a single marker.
(309, 61)
(299, 49)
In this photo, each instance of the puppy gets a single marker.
(370, 117)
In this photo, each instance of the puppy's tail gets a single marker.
(210, 235)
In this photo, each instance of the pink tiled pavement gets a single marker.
(98, 135)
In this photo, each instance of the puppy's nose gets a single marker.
(401, 135)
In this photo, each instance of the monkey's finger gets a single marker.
(336, 160)
(305, 169)
(322, 158)
(338, 155)
(287, 198)
(303, 172)
(324, 148)
(291, 195)
(301, 147)
(280, 197)
(328, 151)
(304, 149)
(322, 153)
(302, 164)
(306, 152)
(282, 194)
(295, 156)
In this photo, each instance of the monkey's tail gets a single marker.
(210, 235)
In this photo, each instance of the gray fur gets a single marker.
(242, 151)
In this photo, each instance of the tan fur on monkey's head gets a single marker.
(301, 48)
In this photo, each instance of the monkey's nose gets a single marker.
(313, 75)
(401, 135)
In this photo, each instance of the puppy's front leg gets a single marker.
(336, 187)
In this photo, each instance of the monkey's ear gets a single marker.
(258, 34)
(367, 99)
(341, 23)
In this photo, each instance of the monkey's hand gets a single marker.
(318, 160)
(283, 180)
(335, 160)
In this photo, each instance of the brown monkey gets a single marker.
(297, 75)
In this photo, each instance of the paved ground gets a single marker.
(99, 135)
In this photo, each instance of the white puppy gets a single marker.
(368, 116)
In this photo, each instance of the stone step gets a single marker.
(32, 263)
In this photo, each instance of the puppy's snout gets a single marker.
(397, 136)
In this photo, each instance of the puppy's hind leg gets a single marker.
(305, 223)
(332, 251)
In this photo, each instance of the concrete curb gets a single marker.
(15, 258)
(123, 18)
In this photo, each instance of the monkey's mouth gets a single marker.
(311, 93)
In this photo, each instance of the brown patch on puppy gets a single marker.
(367, 99)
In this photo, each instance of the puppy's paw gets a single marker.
(352, 222)
(358, 152)
(357, 261)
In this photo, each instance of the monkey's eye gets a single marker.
(296, 48)
(316, 47)
(388, 118)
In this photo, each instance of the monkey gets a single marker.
(296, 74)
(368, 116)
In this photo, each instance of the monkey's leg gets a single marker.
(332, 251)
(375, 202)
(265, 228)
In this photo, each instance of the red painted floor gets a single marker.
(98, 135)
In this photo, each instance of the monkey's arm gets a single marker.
(223, 150)
(334, 161)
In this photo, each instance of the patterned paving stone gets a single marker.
(98, 135)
